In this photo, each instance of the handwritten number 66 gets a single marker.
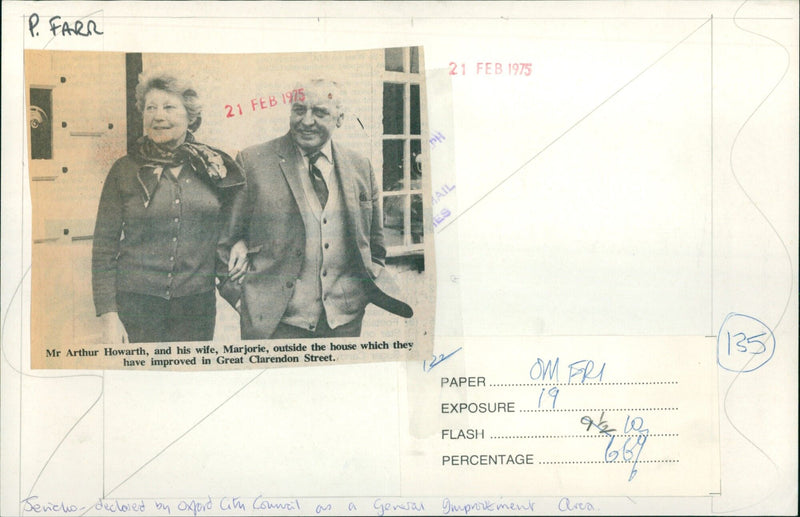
(611, 455)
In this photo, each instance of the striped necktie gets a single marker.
(320, 187)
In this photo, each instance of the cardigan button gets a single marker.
(289, 284)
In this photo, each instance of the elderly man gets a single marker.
(313, 231)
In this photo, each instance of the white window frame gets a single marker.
(406, 78)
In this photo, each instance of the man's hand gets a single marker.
(113, 329)
(238, 261)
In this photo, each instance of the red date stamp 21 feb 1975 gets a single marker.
(262, 103)
(485, 68)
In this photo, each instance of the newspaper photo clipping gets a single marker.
(229, 211)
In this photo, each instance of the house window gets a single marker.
(402, 148)
(40, 114)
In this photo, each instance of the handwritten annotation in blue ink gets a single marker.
(261, 505)
(565, 505)
(484, 506)
(578, 372)
(744, 343)
(583, 371)
(437, 360)
(635, 436)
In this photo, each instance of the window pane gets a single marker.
(414, 109)
(416, 219)
(414, 60)
(40, 115)
(392, 109)
(416, 165)
(394, 59)
(394, 210)
(393, 165)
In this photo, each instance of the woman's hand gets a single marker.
(113, 329)
(238, 261)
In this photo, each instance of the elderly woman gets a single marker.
(161, 214)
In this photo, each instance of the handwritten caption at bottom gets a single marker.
(262, 505)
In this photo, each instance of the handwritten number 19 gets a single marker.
(553, 393)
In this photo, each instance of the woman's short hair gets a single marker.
(170, 83)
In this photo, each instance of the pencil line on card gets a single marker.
(17, 291)
(66, 435)
(103, 437)
(173, 442)
(711, 116)
(18, 296)
(574, 125)
(498, 18)
(53, 37)
(736, 428)
(736, 178)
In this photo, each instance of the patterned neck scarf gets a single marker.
(210, 164)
